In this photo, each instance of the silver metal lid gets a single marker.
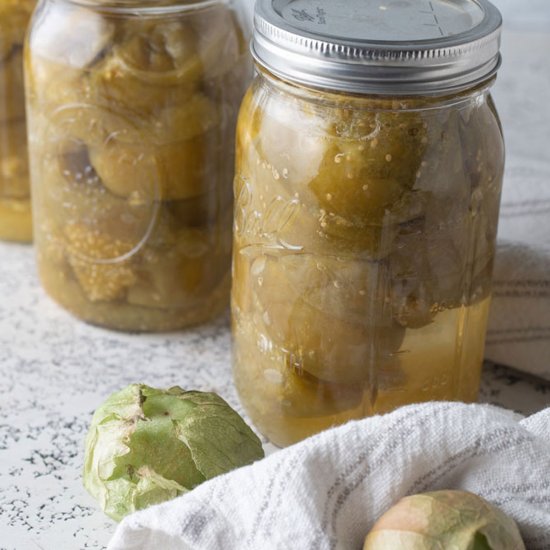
(390, 47)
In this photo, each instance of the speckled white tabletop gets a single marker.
(54, 371)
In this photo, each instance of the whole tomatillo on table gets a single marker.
(146, 446)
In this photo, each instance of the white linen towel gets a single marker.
(327, 492)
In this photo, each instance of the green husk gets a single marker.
(146, 446)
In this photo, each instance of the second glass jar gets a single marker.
(132, 111)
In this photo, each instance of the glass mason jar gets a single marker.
(15, 208)
(132, 112)
(369, 174)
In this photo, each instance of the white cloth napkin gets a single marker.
(326, 492)
(519, 328)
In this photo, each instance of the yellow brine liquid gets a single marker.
(440, 361)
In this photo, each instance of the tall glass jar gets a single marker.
(369, 174)
(132, 112)
(15, 208)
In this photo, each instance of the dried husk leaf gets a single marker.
(146, 446)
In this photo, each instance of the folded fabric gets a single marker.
(519, 327)
(327, 492)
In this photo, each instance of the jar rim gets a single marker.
(146, 7)
(356, 101)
